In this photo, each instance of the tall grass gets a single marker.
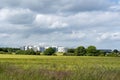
(19, 67)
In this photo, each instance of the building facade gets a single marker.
(43, 48)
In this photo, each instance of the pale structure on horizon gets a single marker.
(43, 48)
(62, 49)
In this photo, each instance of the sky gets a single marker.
(68, 23)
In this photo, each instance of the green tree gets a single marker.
(71, 50)
(20, 52)
(49, 51)
(115, 51)
(91, 51)
(80, 51)
(30, 52)
(38, 52)
(9, 50)
(27, 52)
(100, 53)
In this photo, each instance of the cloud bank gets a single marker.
(67, 23)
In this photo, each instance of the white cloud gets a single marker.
(77, 34)
(109, 36)
(4, 14)
(4, 35)
(80, 20)
(115, 36)
(50, 21)
(103, 36)
(95, 19)
(115, 7)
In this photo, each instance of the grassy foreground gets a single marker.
(28, 67)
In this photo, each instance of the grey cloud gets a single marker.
(76, 24)
(58, 6)
(53, 22)
(21, 19)
(87, 5)
(17, 16)
(9, 3)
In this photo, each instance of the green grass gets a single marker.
(29, 67)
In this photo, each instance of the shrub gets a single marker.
(80, 51)
(38, 53)
(112, 55)
(68, 54)
(49, 51)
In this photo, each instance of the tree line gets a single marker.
(79, 51)
(7, 50)
(90, 51)
(49, 51)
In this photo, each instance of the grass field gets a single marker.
(29, 67)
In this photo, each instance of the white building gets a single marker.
(38, 48)
(46, 47)
(62, 49)
(43, 48)
(26, 47)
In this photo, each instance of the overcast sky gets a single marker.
(67, 23)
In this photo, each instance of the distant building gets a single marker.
(29, 47)
(62, 49)
(26, 48)
(46, 47)
(43, 48)
(105, 50)
(22, 48)
(35, 48)
(38, 48)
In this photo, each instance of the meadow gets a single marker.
(35, 67)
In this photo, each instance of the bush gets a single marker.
(80, 51)
(20, 52)
(38, 53)
(68, 54)
(30, 52)
(101, 53)
(54, 54)
(112, 55)
(27, 52)
(49, 51)
(2, 52)
(71, 50)
(91, 51)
